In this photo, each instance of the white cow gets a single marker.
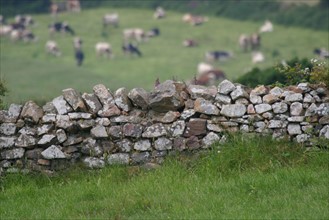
(159, 13)
(266, 27)
(136, 34)
(204, 67)
(111, 19)
(257, 57)
(52, 48)
(103, 49)
(77, 43)
(5, 30)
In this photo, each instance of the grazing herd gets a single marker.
(132, 37)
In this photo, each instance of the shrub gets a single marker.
(3, 91)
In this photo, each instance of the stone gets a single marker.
(193, 143)
(32, 112)
(142, 145)
(140, 157)
(302, 138)
(259, 90)
(34, 153)
(63, 121)
(296, 109)
(48, 118)
(118, 159)
(121, 99)
(49, 108)
(276, 91)
(270, 99)
(10, 116)
(255, 99)
(245, 128)
(262, 108)
(179, 143)
(103, 94)
(312, 110)
(275, 124)
(294, 97)
(125, 145)
(251, 109)
(225, 87)
(279, 107)
(304, 86)
(103, 121)
(99, 131)
(132, 130)
(242, 101)
(308, 98)
(177, 128)
(223, 99)
(43, 162)
(324, 120)
(296, 118)
(53, 152)
(323, 109)
(170, 117)
(324, 132)
(213, 127)
(61, 105)
(11, 154)
(61, 135)
(294, 129)
(93, 162)
(268, 115)
(233, 110)
(109, 111)
(115, 131)
(7, 129)
(74, 99)
(195, 127)
(162, 143)
(86, 124)
(239, 92)
(47, 139)
(79, 115)
(165, 97)
(72, 140)
(92, 103)
(203, 106)
(187, 113)
(25, 141)
(155, 130)
(210, 139)
(139, 97)
(198, 91)
(126, 119)
(7, 142)
(28, 131)
(44, 129)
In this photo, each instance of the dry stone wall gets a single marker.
(136, 127)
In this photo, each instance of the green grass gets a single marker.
(248, 177)
(32, 74)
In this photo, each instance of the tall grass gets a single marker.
(248, 177)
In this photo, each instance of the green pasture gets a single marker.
(247, 178)
(31, 74)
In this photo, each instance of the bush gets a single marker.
(3, 91)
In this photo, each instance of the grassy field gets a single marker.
(247, 178)
(31, 74)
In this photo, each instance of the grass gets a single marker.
(30, 73)
(248, 177)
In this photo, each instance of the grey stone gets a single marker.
(63, 121)
(86, 124)
(294, 97)
(7, 142)
(239, 92)
(92, 102)
(242, 101)
(28, 131)
(109, 111)
(275, 124)
(203, 106)
(140, 157)
(225, 87)
(32, 112)
(308, 98)
(187, 113)
(304, 86)
(276, 91)
(198, 91)
(177, 128)
(25, 141)
(16, 153)
(296, 109)
(261, 108)
(132, 130)
(255, 99)
(103, 94)
(98, 131)
(323, 109)
(79, 115)
(165, 97)
(301, 138)
(74, 99)
(48, 118)
(170, 117)
(93, 162)
(324, 132)
(121, 99)
(103, 121)
(280, 107)
(34, 154)
(213, 127)
(61, 105)
(155, 130)
(47, 139)
(233, 110)
(268, 115)
(115, 132)
(324, 120)
(312, 110)
(61, 135)
(7, 129)
(260, 90)
(44, 129)
(126, 119)
(139, 97)
(72, 140)
(142, 145)
(294, 129)
(163, 143)
(270, 99)
(11, 115)
(125, 145)
(296, 119)
(223, 99)
(53, 152)
(118, 159)
(210, 139)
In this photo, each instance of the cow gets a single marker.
(5, 30)
(194, 20)
(131, 49)
(190, 43)
(111, 19)
(257, 57)
(79, 56)
(217, 55)
(52, 48)
(103, 49)
(159, 13)
(24, 35)
(255, 41)
(153, 32)
(77, 43)
(204, 67)
(244, 42)
(321, 52)
(73, 6)
(54, 9)
(60, 27)
(25, 20)
(209, 78)
(136, 34)
(266, 27)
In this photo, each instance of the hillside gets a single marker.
(32, 74)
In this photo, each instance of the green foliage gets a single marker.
(3, 91)
(14, 7)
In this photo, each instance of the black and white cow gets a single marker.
(60, 27)
(217, 55)
(131, 49)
